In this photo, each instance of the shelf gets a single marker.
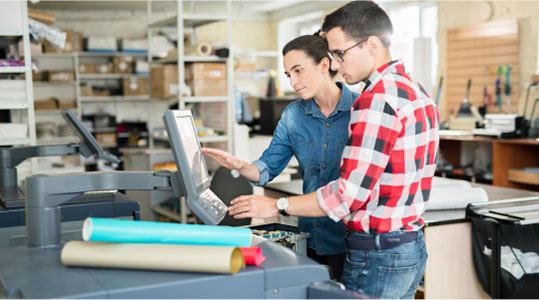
(10, 104)
(11, 33)
(115, 98)
(213, 138)
(13, 69)
(54, 55)
(44, 112)
(111, 76)
(17, 141)
(189, 20)
(58, 140)
(188, 59)
(201, 99)
(50, 83)
(108, 54)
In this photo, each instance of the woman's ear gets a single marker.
(325, 64)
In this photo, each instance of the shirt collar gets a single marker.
(345, 102)
(395, 66)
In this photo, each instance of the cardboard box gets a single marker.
(164, 83)
(95, 43)
(100, 93)
(123, 64)
(86, 91)
(45, 104)
(206, 79)
(205, 71)
(135, 45)
(106, 139)
(87, 67)
(104, 68)
(73, 44)
(67, 103)
(61, 76)
(135, 86)
(208, 87)
(141, 67)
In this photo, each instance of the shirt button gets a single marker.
(327, 125)
(324, 167)
(317, 225)
(325, 145)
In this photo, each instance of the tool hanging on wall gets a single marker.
(487, 100)
(499, 89)
(508, 88)
(439, 90)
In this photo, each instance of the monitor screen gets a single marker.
(191, 146)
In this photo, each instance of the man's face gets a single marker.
(354, 63)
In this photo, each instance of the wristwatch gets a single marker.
(282, 205)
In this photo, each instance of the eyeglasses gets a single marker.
(339, 55)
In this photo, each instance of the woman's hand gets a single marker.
(253, 206)
(225, 159)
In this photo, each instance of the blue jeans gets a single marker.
(386, 273)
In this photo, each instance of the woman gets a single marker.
(315, 130)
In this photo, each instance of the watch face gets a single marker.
(282, 203)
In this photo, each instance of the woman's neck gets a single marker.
(328, 97)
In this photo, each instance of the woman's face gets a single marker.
(306, 77)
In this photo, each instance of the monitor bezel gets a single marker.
(178, 150)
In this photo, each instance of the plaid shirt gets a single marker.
(389, 160)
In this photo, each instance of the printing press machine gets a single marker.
(36, 271)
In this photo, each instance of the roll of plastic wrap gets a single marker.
(200, 49)
(454, 198)
(126, 231)
(186, 258)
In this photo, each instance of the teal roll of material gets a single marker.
(126, 231)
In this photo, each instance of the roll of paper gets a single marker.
(440, 182)
(455, 198)
(200, 49)
(127, 231)
(164, 257)
(252, 255)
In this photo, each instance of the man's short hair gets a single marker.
(361, 19)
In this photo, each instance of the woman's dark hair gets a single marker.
(360, 19)
(313, 45)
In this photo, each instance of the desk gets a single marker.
(506, 154)
(449, 272)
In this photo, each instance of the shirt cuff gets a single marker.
(331, 201)
(263, 173)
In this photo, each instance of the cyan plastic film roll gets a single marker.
(126, 231)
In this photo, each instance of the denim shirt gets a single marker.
(318, 143)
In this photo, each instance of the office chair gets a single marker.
(228, 184)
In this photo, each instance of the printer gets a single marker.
(503, 126)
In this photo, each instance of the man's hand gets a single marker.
(253, 206)
(225, 159)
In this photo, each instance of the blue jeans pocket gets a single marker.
(353, 274)
(394, 282)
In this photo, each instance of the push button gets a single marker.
(325, 145)
(327, 125)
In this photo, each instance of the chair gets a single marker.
(228, 184)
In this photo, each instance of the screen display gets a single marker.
(191, 146)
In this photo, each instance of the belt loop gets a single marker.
(377, 242)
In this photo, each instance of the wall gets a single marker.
(461, 13)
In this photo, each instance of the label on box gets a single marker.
(215, 74)
(173, 89)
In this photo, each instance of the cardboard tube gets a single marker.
(200, 49)
(164, 257)
(127, 231)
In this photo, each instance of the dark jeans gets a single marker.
(334, 261)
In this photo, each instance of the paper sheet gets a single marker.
(127, 231)
(440, 182)
(454, 198)
(166, 257)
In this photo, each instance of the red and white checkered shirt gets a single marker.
(390, 158)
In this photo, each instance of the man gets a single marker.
(387, 165)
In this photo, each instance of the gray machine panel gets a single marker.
(38, 273)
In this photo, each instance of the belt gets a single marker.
(357, 242)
